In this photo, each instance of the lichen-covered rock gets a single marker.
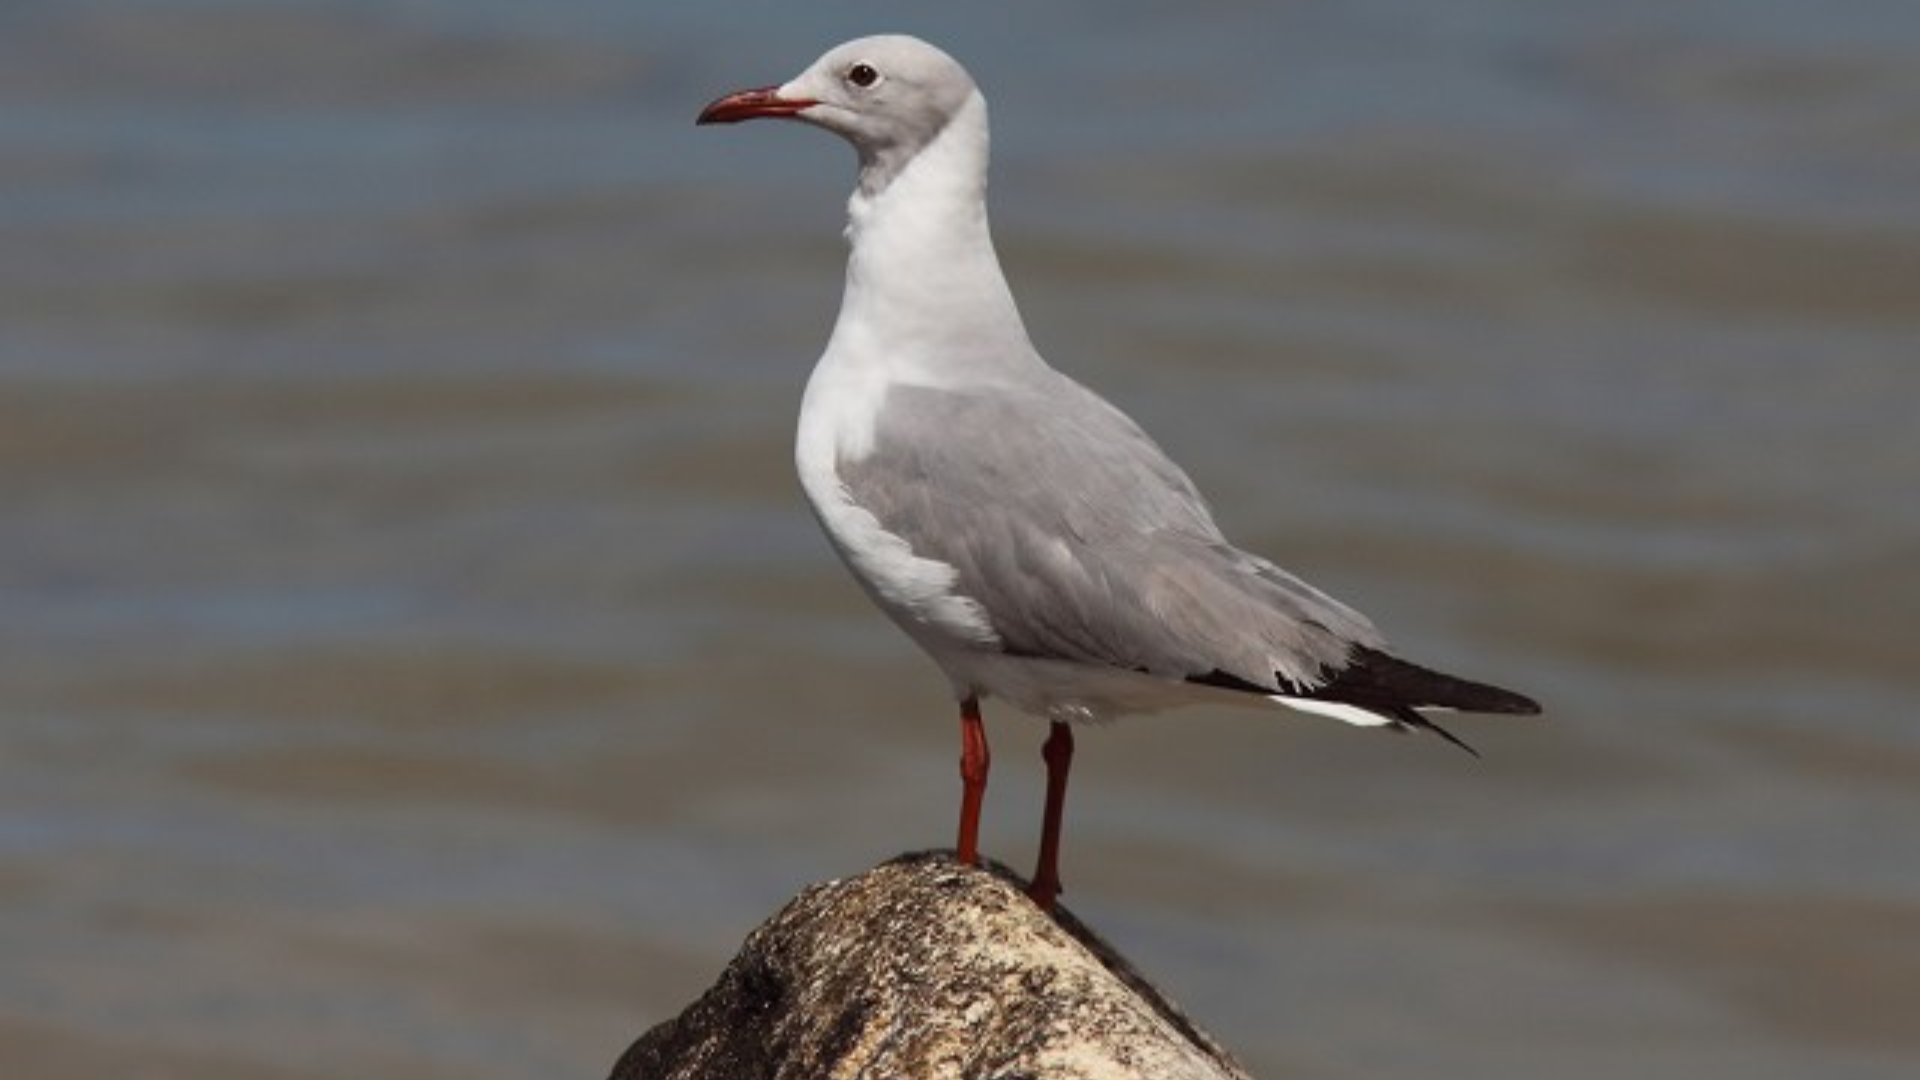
(926, 969)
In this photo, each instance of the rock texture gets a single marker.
(927, 969)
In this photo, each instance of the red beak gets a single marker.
(751, 105)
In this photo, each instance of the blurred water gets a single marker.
(415, 657)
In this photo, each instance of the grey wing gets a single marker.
(1082, 541)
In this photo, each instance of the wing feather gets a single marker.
(1082, 541)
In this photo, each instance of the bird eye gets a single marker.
(862, 75)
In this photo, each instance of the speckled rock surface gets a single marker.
(926, 969)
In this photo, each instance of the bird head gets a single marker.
(889, 96)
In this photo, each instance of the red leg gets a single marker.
(1058, 753)
(974, 761)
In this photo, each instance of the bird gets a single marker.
(1026, 534)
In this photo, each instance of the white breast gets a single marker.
(837, 420)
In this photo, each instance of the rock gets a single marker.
(927, 969)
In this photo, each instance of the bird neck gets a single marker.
(922, 276)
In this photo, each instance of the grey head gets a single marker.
(890, 96)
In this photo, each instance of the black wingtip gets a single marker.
(1393, 689)
(1497, 699)
(1373, 677)
(1412, 719)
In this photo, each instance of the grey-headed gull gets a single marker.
(1024, 532)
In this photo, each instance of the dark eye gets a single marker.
(862, 75)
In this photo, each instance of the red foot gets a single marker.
(1058, 753)
(974, 762)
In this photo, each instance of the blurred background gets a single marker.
(416, 658)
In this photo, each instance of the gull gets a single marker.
(1026, 534)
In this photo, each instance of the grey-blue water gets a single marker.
(416, 659)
